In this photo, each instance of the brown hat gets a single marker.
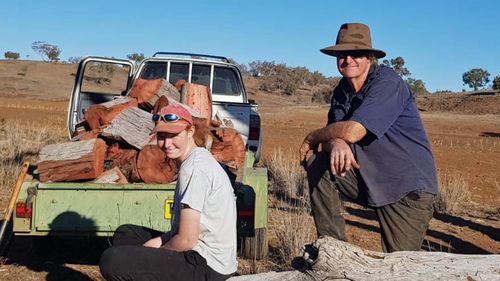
(353, 37)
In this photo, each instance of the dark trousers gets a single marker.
(129, 260)
(403, 224)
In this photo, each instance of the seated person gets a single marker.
(201, 244)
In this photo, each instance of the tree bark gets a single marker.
(72, 161)
(338, 260)
(133, 125)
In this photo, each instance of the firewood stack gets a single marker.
(115, 143)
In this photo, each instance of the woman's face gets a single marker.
(176, 146)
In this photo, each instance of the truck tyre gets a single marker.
(255, 247)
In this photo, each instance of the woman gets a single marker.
(201, 244)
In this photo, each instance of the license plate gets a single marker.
(169, 206)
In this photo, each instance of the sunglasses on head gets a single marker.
(166, 117)
(352, 54)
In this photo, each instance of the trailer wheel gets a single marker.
(255, 247)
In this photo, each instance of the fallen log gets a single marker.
(338, 260)
(133, 125)
(72, 161)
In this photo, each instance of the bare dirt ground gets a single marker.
(466, 147)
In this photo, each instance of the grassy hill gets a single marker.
(54, 82)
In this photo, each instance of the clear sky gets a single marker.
(439, 40)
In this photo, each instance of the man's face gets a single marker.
(353, 65)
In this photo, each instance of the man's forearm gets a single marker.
(349, 131)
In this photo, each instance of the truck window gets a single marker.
(105, 78)
(226, 81)
(178, 71)
(200, 74)
(154, 70)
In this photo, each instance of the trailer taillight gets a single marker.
(254, 131)
(245, 214)
(23, 211)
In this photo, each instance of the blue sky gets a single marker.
(439, 40)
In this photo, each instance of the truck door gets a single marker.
(97, 80)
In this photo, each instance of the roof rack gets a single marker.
(190, 55)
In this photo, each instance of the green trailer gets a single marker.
(96, 210)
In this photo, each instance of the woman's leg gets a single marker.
(140, 263)
(129, 234)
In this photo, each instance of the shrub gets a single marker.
(496, 83)
(292, 223)
(453, 194)
(74, 60)
(322, 94)
(11, 55)
(137, 57)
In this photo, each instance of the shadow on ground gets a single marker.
(51, 253)
(455, 244)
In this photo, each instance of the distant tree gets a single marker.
(242, 67)
(137, 57)
(398, 64)
(74, 60)
(11, 55)
(476, 77)
(44, 49)
(496, 83)
(417, 86)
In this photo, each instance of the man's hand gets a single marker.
(341, 158)
(307, 146)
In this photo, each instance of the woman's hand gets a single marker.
(341, 158)
(153, 243)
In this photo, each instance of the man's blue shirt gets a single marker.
(394, 157)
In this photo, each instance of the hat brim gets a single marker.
(338, 49)
(173, 128)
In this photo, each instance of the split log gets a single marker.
(199, 98)
(154, 167)
(102, 114)
(124, 158)
(338, 260)
(72, 161)
(113, 175)
(147, 92)
(133, 125)
(228, 147)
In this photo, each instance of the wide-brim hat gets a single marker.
(174, 119)
(353, 37)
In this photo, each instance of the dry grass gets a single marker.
(20, 141)
(454, 194)
(290, 220)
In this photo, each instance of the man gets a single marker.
(374, 150)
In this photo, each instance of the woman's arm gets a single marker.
(189, 230)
